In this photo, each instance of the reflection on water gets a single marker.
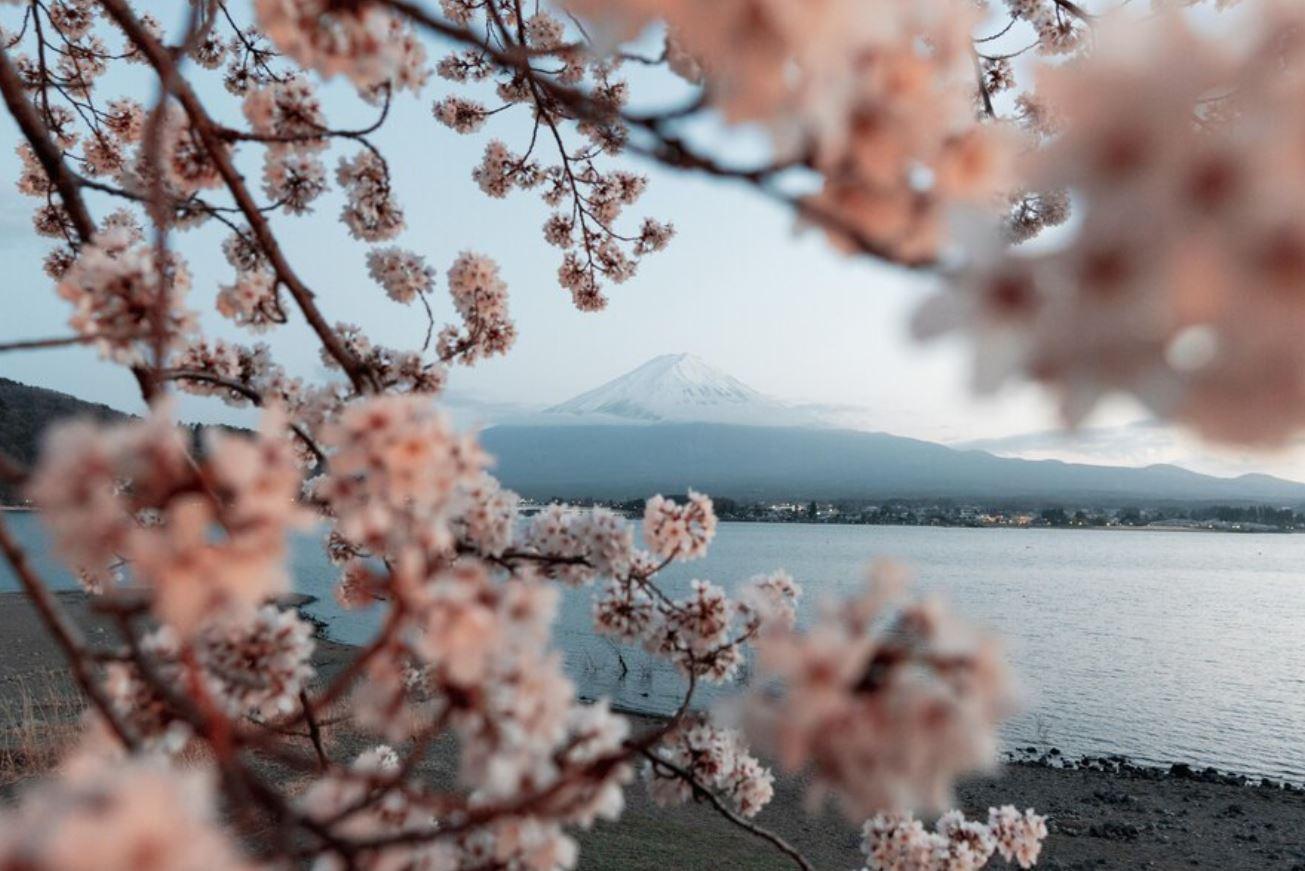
(1163, 646)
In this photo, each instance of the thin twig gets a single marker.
(66, 341)
(702, 793)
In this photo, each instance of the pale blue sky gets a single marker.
(737, 286)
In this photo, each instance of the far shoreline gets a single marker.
(1028, 528)
(31, 509)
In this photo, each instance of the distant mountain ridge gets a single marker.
(638, 457)
(754, 462)
(678, 421)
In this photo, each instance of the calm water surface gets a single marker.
(1163, 646)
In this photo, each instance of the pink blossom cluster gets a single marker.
(1178, 284)
(371, 801)
(392, 370)
(123, 298)
(678, 531)
(480, 297)
(404, 275)
(251, 301)
(899, 842)
(290, 113)
(716, 759)
(884, 701)
(371, 212)
(131, 494)
(702, 633)
(472, 656)
(363, 41)
(876, 94)
(485, 516)
(249, 667)
(581, 543)
(137, 814)
(395, 464)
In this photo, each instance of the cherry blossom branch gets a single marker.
(476, 817)
(34, 130)
(244, 390)
(356, 666)
(162, 61)
(668, 149)
(1074, 9)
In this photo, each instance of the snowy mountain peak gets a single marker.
(672, 387)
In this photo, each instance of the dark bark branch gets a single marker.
(314, 730)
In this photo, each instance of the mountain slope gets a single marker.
(752, 462)
(25, 412)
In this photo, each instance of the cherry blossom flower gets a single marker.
(371, 213)
(480, 297)
(460, 115)
(679, 531)
(581, 543)
(354, 40)
(251, 301)
(333, 796)
(251, 666)
(403, 274)
(395, 465)
(485, 516)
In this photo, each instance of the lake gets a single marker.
(1162, 646)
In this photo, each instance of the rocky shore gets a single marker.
(1103, 812)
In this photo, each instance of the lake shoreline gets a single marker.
(1103, 812)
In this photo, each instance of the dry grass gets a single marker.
(39, 718)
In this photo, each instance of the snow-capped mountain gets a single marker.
(675, 388)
